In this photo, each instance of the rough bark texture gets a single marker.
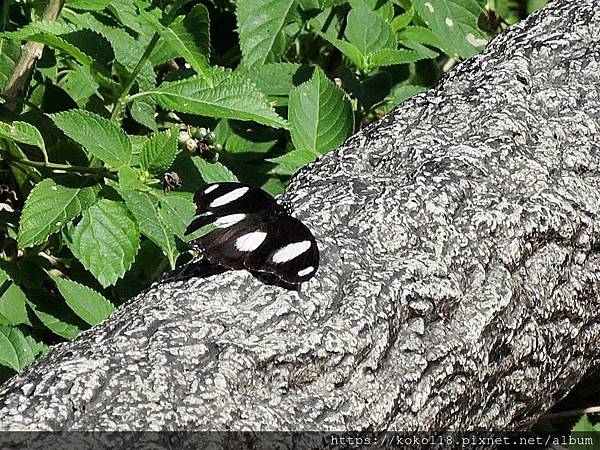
(459, 283)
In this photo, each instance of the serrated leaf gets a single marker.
(277, 80)
(9, 53)
(584, 431)
(213, 172)
(89, 5)
(349, 50)
(261, 29)
(12, 301)
(17, 349)
(145, 207)
(382, 7)
(158, 152)
(106, 241)
(178, 211)
(402, 20)
(189, 39)
(129, 179)
(52, 34)
(80, 85)
(583, 425)
(51, 206)
(98, 135)
(88, 304)
(368, 31)
(127, 50)
(142, 111)
(455, 23)
(291, 162)
(231, 97)
(128, 13)
(25, 133)
(391, 57)
(320, 115)
(55, 315)
(422, 35)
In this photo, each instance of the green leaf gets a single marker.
(178, 212)
(90, 5)
(190, 39)
(291, 162)
(51, 206)
(88, 304)
(213, 172)
(142, 111)
(129, 179)
(12, 301)
(9, 53)
(391, 57)
(232, 97)
(251, 142)
(349, 50)
(80, 85)
(106, 241)
(400, 94)
(52, 34)
(584, 431)
(320, 115)
(455, 23)
(25, 133)
(145, 207)
(401, 21)
(127, 50)
(17, 349)
(277, 80)
(158, 153)
(368, 31)
(98, 135)
(425, 36)
(584, 425)
(261, 29)
(55, 314)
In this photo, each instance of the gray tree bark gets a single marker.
(459, 284)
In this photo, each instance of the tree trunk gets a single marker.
(459, 284)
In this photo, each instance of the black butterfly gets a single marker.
(253, 232)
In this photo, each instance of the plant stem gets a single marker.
(122, 100)
(30, 53)
(120, 104)
(64, 167)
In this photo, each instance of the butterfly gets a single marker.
(251, 231)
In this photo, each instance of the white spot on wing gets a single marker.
(290, 251)
(211, 188)
(449, 21)
(306, 271)
(227, 221)
(229, 197)
(429, 6)
(251, 241)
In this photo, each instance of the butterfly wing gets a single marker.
(251, 231)
(216, 200)
(230, 246)
(289, 252)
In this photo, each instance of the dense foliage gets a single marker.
(133, 104)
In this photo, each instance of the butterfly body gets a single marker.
(252, 232)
